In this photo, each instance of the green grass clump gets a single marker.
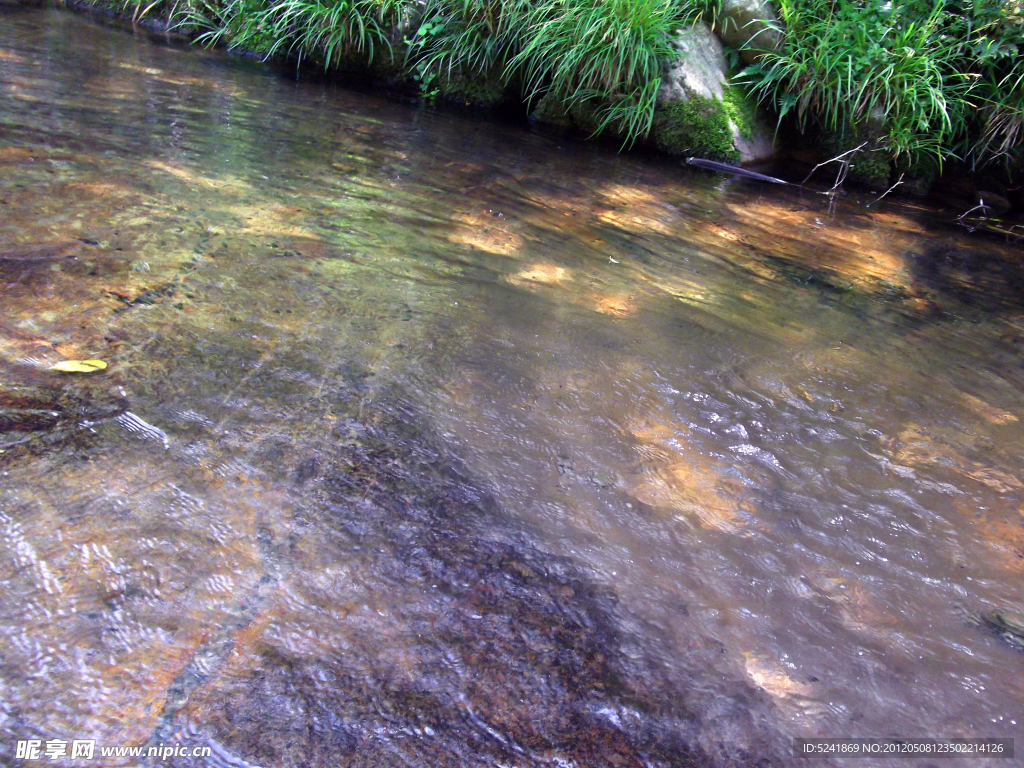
(929, 79)
(462, 47)
(608, 53)
(331, 32)
(996, 31)
(914, 81)
(472, 36)
(599, 58)
(845, 63)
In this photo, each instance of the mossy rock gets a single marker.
(872, 168)
(552, 111)
(112, 7)
(582, 115)
(697, 127)
(919, 176)
(261, 45)
(476, 89)
(389, 67)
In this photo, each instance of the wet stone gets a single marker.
(1007, 626)
(36, 417)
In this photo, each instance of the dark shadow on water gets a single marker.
(984, 281)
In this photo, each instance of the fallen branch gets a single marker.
(735, 170)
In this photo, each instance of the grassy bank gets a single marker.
(603, 58)
(913, 84)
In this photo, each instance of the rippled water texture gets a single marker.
(431, 442)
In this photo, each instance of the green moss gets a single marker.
(698, 127)
(585, 117)
(389, 68)
(919, 174)
(259, 44)
(477, 89)
(117, 7)
(742, 110)
(872, 168)
(1015, 162)
(552, 111)
(582, 115)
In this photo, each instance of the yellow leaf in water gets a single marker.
(78, 366)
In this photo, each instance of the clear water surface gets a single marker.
(430, 442)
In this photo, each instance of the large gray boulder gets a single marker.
(754, 147)
(749, 26)
(698, 113)
(699, 69)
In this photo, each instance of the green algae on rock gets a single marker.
(697, 126)
(472, 89)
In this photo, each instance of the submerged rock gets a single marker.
(395, 631)
(37, 416)
(993, 201)
(1008, 625)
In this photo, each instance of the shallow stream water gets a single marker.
(426, 441)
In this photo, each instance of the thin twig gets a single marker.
(834, 159)
(890, 189)
(841, 174)
(972, 210)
